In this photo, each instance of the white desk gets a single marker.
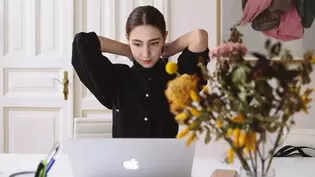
(11, 163)
(203, 166)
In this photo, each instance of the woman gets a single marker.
(136, 94)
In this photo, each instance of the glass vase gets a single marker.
(244, 173)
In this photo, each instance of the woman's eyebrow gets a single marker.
(136, 40)
(154, 39)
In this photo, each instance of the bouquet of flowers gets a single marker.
(244, 102)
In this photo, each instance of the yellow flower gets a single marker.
(205, 89)
(191, 138)
(295, 89)
(194, 96)
(246, 150)
(242, 139)
(312, 61)
(250, 144)
(230, 156)
(193, 125)
(238, 119)
(251, 141)
(306, 100)
(236, 136)
(194, 111)
(229, 133)
(218, 123)
(299, 76)
(178, 89)
(181, 116)
(171, 67)
(183, 133)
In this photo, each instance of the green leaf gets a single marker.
(273, 127)
(200, 130)
(195, 125)
(219, 136)
(240, 75)
(242, 96)
(263, 137)
(208, 136)
(237, 106)
(204, 116)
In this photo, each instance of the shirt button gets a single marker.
(145, 119)
(146, 95)
(150, 78)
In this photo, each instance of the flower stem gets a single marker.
(252, 160)
(261, 156)
(275, 145)
(256, 164)
(239, 155)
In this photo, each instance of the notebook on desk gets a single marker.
(129, 157)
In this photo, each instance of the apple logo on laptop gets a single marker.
(131, 164)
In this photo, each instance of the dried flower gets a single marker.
(238, 119)
(181, 116)
(194, 111)
(239, 104)
(194, 96)
(231, 156)
(229, 133)
(218, 123)
(205, 89)
(236, 136)
(228, 50)
(242, 139)
(190, 139)
(171, 67)
(183, 133)
(306, 100)
(178, 95)
(251, 141)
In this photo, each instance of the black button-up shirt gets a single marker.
(135, 94)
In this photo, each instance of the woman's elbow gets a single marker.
(199, 41)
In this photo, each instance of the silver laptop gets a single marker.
(130, 157)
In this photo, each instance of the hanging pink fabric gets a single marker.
(252, 9)
(290, 27)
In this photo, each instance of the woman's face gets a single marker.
(146, 44)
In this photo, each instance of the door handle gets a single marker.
(65, 83)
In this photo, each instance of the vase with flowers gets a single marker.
(244, 102)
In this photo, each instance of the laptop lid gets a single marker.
(129, 157)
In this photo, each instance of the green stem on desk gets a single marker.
(275, 146)
(261, 156)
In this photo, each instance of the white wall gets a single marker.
(187, 15)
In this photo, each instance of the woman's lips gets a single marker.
(146, 61)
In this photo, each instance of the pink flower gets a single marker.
(228, 49)
(213, 52)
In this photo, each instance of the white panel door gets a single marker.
(35, 51)
(107, 18)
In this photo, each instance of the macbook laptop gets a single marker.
(117, 157)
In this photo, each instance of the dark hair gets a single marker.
(146, 15)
